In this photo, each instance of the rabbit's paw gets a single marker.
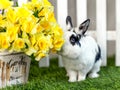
(72, 79)
(93, 75)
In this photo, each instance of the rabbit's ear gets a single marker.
(69, 23)
(84, 26)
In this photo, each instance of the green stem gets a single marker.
(3, 11)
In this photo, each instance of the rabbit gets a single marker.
(81, 55)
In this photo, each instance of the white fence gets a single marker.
(101, 34)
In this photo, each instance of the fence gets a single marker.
(101, 34)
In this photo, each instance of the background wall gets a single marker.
(91, 13)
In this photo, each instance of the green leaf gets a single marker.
(36, 12)
(2, 29)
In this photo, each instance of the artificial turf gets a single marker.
(54, 78)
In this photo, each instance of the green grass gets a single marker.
(53, 78)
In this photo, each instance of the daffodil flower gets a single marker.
(4, 41)
(4, 4)
(18, 44)
(30, 28)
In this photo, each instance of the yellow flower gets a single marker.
(46, 12)
(58, 39)
(25, 36)
(44, 43)
(30, 28)
(46, 2)
(18, 44)
(4, 4)
(12, 16)
(43, 12)
(51, 17)
(4, 41)
(35, 1)
(33, 40)
(39, 28)
(2, 22)
(58, 42)
(1, 17)
(23, 12)
(57, 31)
(12, 32)
(34, 5)
(29, 25)
(46, 25)
(30, 51)
(39, 55)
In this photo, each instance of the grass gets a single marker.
(53, 78)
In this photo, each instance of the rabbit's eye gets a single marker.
(73, 40)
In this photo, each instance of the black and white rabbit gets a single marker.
(81, 54)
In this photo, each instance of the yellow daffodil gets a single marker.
(35, 1)
(4, 4)
(30, 28)
(4, 41)
(46, 25)
(57, 30)
(35, 4)
(43, 44)
(51, 17)
(39, 28)
(18, 44)
(29, 24)
(23, 12)
(39, 55)
(2, 22)
(33, 40)
(46, 2)
(58, 42)
(46, 11)
(12, 16)
(31, 51)
(12, 31)
(24, 35)
(1, 17)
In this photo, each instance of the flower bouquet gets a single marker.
(30, 28)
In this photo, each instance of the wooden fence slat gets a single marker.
(111, 35)
(44, 62)
(62, 12)
(117, 33)
(101, 28)
(20, 2)
(81, 8)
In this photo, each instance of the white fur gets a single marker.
(80, 60)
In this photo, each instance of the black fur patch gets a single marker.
(74, 40)
(84, 26)
(69, 20)
(98, 55)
